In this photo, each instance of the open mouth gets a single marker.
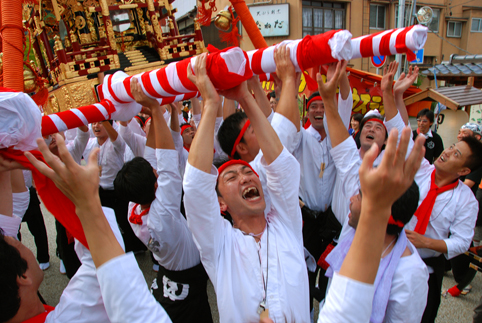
(442, 158)
(370, 137)
(251, 193)
(318, 118)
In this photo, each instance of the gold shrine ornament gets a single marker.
(222, 21)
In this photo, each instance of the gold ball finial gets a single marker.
(223, 20)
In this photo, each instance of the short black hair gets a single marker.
(12, 265)
(357, 117)
(311, 97)
(426, 113)
(272, 94)
(229, 131)
(474, 161)
(136, 182)
(404, 208)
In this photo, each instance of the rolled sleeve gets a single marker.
(347, 301)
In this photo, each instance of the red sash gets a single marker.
(425, 209)
(41, 317)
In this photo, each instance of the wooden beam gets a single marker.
(451, 104)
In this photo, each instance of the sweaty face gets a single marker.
(99, 130)
(187, 136)
(355, 209)
(424, 124)
(241, 192)
(464, 133)
(33, 270)
(316, 113)
(452, 159)
(372, 132)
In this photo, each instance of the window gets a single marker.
(377, 16)
(454, 29)
(320, 17)
(433, 25)
(476, 25)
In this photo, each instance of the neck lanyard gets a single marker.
(262, 304)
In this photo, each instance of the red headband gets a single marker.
(234, 162)
(140, 120)
(183, 128)
(398, 223)
(316, 98)
(377, 120)
(238, 139)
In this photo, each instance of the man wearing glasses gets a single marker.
(433, 142)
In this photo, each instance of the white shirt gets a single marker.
(408, 295)
(347, 161)
(77, 146)
(313, 154)
(136, 143)
(126, 296)
(81, 300)
(454, 213)
(236, 263)
(164, 230)
(111, 159)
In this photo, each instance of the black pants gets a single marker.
(36, 225)
(66, 251)
(463, 274)
(434, 288)
(108, 198)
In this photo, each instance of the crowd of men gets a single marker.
(346, 211)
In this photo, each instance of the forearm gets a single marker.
(389, 105)
(261, 98)
(435, 244)
(162, 134)
(400, 104)
(17, 181)
(336, 127)
(151, 136)
(102, 242)
(6, 201)
(175, 122)
(110, 131)
(362, 260)
(288, 104)
(228, 108)
(201, 152)
(345, 87)
(267, 138)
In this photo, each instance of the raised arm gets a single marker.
(228, 108)
(387, 88)
(400, 86)
(336, 127)
(111, 132)
(288, 102)
(261, 99)
(201, 152)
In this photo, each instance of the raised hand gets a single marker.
(140, 96)
(328, 90)
(201, 79)
(9, 164)
(79, 183)
(383, 185)
(405, 80)
(388, 76)
(284, 67)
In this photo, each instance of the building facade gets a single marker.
(456, 27)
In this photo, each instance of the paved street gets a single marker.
(452, 309)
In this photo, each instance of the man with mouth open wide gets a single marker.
(257, 265)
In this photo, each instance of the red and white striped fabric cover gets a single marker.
(389, 42)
